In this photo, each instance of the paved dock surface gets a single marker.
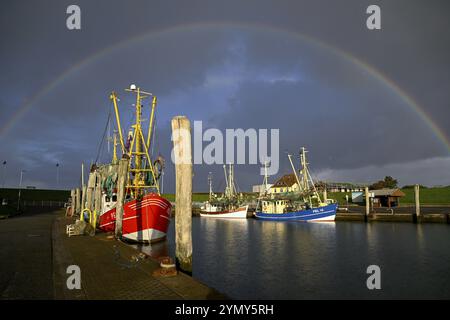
(35, 253)
(26, 264)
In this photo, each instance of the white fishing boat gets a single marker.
(229, 205)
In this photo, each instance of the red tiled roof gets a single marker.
(288, 180)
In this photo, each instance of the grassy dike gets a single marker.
(428, 196)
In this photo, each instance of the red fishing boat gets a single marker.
(144, 220)
(146, 215)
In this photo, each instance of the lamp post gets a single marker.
(4, 173)
(20, 188)
(57, 175)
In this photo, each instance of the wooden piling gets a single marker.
(366, 192)
(72, 196)
(121, 185)
(78, 200)
(417, 199)
(182, 156)
(83, 198)
(90, 192)
(98, 194)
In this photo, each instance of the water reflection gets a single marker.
(253, 259)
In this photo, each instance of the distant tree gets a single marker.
(388, 182)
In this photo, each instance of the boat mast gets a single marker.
(265, 183)
(300, 187)
(304, 172)
(309, 183)
(226, 180)
(114, 159)
(138, 147)
(210, 185)
(231, 180)
(138, 178)
(150, 127)
(114, 99)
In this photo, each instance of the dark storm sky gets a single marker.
(225, 63)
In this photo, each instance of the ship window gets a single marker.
(114, 198)
(107, 199)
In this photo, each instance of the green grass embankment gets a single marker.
(428, 196)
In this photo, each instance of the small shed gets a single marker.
(387, 197)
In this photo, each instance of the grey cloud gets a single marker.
(346, 118)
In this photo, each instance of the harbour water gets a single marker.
(252, 259)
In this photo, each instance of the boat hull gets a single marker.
(145, 220)
(239, 213)
(325, 213)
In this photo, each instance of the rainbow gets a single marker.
(382, 78)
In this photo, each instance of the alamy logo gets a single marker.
(373, 22)
(74, 280)
(374, 280)
(73, 22)
(235, 146)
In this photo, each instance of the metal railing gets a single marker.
(43, 203)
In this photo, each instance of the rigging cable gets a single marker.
(103, 136)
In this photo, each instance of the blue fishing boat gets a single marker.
(302, 203)
(325, 213)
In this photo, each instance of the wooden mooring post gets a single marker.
(83, 198)
(417, 200)
(72, 197)
(90, 192)
(121, 186)
(98, 194)
(182, 157)
(367, 196)
(78, 200)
